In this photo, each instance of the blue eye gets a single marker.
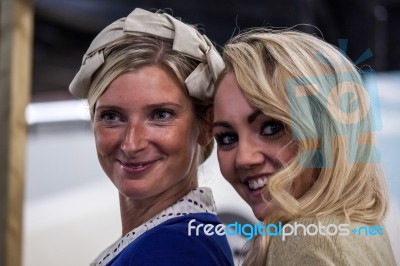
(270, 128)
(108, 116)
(162, 115)
(226, 140)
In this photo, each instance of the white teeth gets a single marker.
(258, 183)
(137, 166)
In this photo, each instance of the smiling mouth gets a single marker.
(257, 183)
(136, 167)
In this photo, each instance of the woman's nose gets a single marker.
(135, 138)
(249, 153)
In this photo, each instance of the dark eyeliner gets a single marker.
(278, 128)
(219, 138)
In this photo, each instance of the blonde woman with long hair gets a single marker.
(295, 133)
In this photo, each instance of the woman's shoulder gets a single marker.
(331, 240)
(171, 243)
(196, 229)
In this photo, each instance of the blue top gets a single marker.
(170, 244)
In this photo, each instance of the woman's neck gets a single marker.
(135, 212)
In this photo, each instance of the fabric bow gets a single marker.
(187, 40)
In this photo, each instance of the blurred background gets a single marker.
(71, 209)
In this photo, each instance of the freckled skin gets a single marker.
(146, 136)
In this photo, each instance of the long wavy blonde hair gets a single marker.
(318, 93)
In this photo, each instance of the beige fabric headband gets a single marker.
(187, 40)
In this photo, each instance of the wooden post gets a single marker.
(16, 27)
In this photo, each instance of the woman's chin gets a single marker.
(261, 211)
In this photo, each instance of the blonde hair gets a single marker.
(133, 52)
(311, 87)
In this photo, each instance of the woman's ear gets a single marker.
(206, 136)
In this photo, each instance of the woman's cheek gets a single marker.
(227, 165)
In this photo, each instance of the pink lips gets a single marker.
(136, 168)
(248, 178)
(255, 193)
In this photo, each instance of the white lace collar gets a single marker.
(197, 201)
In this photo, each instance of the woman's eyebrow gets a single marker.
(222, 124)
(164, 104)
(250, 119)
(107, 106)
(253, 116)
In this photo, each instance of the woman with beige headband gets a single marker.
(149, 79)
(300, 150)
